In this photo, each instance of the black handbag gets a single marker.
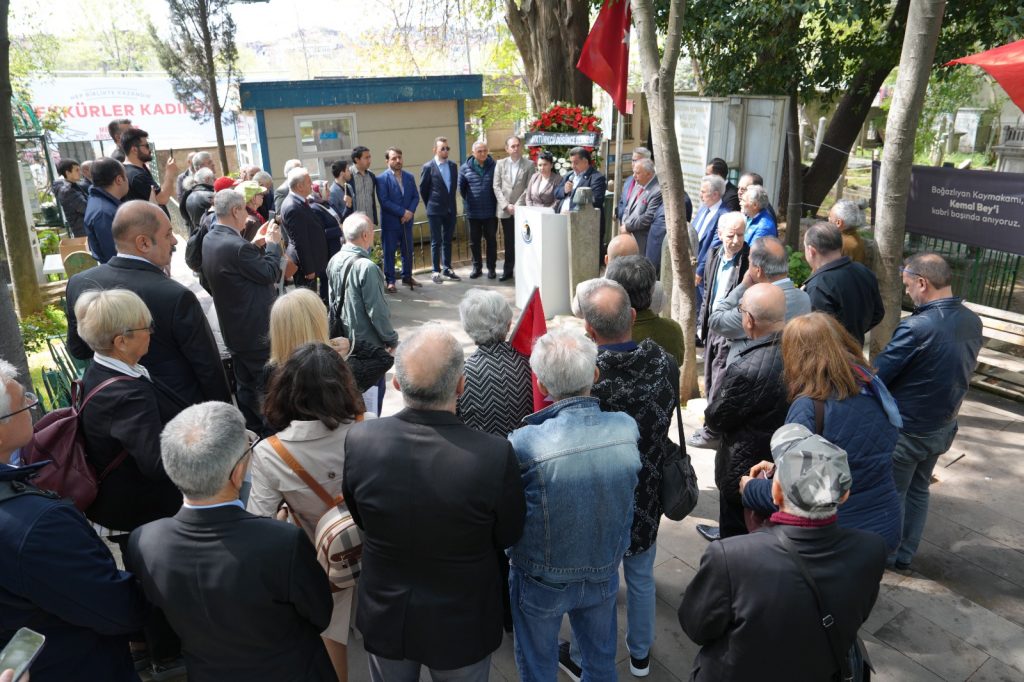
(367, 361)
(679, 490)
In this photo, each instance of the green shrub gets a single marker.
(799, 270)
(36, 328)
(49, 242)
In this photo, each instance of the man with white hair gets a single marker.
(706, 224)
(643, 203)
(754, 205)
(243, 281)
(751, 178)
(435, 500)
(847, 216)
(245, 593)
(305, 232)
(639, 154)
(282, 191)
(579, 468)
(198, 197)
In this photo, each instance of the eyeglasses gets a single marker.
(746, 312)
(30, 400)
(908, 271)
(444, 149)
(254, 440)
(150, 328)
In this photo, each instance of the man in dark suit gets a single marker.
(730, 195)
(583, 174)
(839, 286)
(643, 204)
(706, 224)
(439, 179)
(58, 577)
(245, 593)
(243, 281)
(306, 232)
(396, 190)
(749, 601)
(430, 590)
(183, 354)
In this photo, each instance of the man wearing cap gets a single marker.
(750, 606)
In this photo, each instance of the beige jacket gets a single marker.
(319, 450)
(505, 190)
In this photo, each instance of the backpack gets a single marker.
(194, 246)
(337, 539)
(58, 437)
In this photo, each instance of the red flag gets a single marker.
(530, 327)
(1005, 64)
(605, 56)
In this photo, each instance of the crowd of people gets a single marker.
(263, 507)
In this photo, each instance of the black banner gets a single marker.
(980, 208)
(543, 138)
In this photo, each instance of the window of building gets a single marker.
(322, 140)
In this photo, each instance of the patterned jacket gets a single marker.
(498, 391)
(642, 381)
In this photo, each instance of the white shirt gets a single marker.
(702, 228)
(134, 371)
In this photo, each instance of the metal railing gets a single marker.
(1013, 136)
(980, 275)
(461, 255)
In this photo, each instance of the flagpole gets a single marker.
(619, 131)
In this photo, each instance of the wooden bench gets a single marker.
(1001, 360)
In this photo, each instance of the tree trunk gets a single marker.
(659, 76)
(794, 154)
(215, 106)
(550, 36)
(852, 111)
(12, 206)
(924, 22)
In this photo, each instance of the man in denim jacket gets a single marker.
(579, 467)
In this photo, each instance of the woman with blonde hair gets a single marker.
(296, 318)
(836, 395)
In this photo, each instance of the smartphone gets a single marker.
(271, 216)
(21, 652)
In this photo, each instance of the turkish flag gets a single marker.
(605, 56)
(530, 327)
(1005, 64)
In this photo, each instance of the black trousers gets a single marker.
(508, 231)
(488, 229)
(250, 380)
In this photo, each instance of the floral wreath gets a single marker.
(563, 117)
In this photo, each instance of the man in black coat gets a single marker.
(430, 589)
(71, 196)
(198, 198)
(750, 403)
(243, 281)
(245, 593)
(583, 174)
(750, 607)
(183, 354)
(841, 287)
(731, 196)
(305, 231)
(439, 180)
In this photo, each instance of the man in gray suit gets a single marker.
(511, 176)
(768, 265)
(642, 203)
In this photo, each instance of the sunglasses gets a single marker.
(445, 149)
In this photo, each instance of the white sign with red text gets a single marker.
(89, 104)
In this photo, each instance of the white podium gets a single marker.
(542, 259)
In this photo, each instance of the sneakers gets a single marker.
(450, 274)
(566, 664)
(709, 533)
(699, 439)
(436, 278)
(640, 667)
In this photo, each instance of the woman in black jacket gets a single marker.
(123, 420)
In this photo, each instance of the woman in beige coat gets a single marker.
(312, 400)
(541, 190)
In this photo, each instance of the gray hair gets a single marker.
(356, 225)
(607, 324)
(263, 177)
(645, 165)
(478, 143)
(199, 158)
(8, 373)
(428, 385)
(291, 164)
(201, 446)
(849, 213)
(296, 176)
(226, 201)
(485, 316)
(642, 151)
(637, 276)
(105, 314)
(203, 176)
(773, 262)
(824, 237)
(716, 183)
(756, 194)
(564, 361)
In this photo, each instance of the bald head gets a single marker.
(135, 218)
(622, 245)
(764, 310)
(428, 369)
(606, 311)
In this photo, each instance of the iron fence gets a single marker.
(980, 275)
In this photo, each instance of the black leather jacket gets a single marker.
(928, 363)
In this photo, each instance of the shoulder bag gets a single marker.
(368, 362)
(679, 490)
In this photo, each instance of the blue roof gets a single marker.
(331, 91)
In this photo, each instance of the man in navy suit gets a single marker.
(583, 174)
(396, 191)
(305, 231)
(439, 178)
(706, 223)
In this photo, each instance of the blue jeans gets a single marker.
(537, 610)
(442, 228)
(912, 463)
(392, 240)
(640, 602)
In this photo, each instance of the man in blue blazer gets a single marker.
(706, 223)
(396, 191)
(439, 180)
(583, 174)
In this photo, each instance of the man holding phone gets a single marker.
(58, 575)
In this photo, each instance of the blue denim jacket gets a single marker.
(579, 468)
